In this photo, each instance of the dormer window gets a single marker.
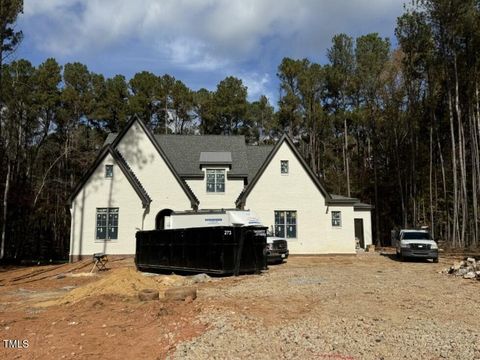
(284, 167)
(109, 171)
(215, 180)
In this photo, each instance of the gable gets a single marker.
(110, 156)
(148, 161)
(286, 144)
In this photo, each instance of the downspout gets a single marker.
(72, 230)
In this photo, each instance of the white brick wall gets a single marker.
(297, 191)
(153, 173)
(100, 192)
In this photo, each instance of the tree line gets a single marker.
(396, 127)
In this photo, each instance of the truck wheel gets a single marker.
(435, 260)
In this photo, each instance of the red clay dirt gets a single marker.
(107, 326)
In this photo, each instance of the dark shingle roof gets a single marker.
(184, 151)
(256, 156)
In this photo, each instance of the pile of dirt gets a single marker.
(468, 269)
(122, 282)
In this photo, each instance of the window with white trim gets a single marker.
(107, 224)
(215, 180)
(286, 224)
(108, 171)
(284, 167)
(336, 218)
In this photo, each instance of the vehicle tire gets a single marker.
(401, 257)
(435, 260)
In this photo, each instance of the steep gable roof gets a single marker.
(132, 179)
(115, 140)
(287, 140)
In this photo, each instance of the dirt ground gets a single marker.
(369, 306)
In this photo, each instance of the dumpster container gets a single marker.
(223, 250)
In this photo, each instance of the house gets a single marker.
(138, 179)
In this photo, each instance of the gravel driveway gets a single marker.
(365, 307)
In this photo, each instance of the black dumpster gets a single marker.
(224, 250)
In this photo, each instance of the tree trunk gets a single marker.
(432, 224)
(347, 166)
(454, 234)
(5, 209)
(444, 185)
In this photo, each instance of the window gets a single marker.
(284, 166)
(108, 171)
(215, 180)
(107, 224)
(286, 224)
(336, 218)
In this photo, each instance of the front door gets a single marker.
(359, 232)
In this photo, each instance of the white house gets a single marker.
(138, 179)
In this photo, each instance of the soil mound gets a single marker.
(122, 282)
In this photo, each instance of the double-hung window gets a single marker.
(336, 218)
(107, 224)
(215, 180)
(286, 224)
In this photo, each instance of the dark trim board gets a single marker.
(362, 207)
(126, 171)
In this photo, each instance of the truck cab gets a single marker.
(413, 243)
(277, 249)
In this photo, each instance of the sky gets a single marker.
(199, 42)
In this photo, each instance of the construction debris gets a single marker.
(181, 293)
(148, 294)
(469, 268)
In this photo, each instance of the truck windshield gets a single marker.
(416, 236)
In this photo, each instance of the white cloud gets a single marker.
(257, 84)
(191, 54)
(200, 34)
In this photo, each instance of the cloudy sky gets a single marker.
(198, 41)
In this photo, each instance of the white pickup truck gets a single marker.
(416, 244)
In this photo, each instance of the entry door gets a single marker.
(359, 232)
